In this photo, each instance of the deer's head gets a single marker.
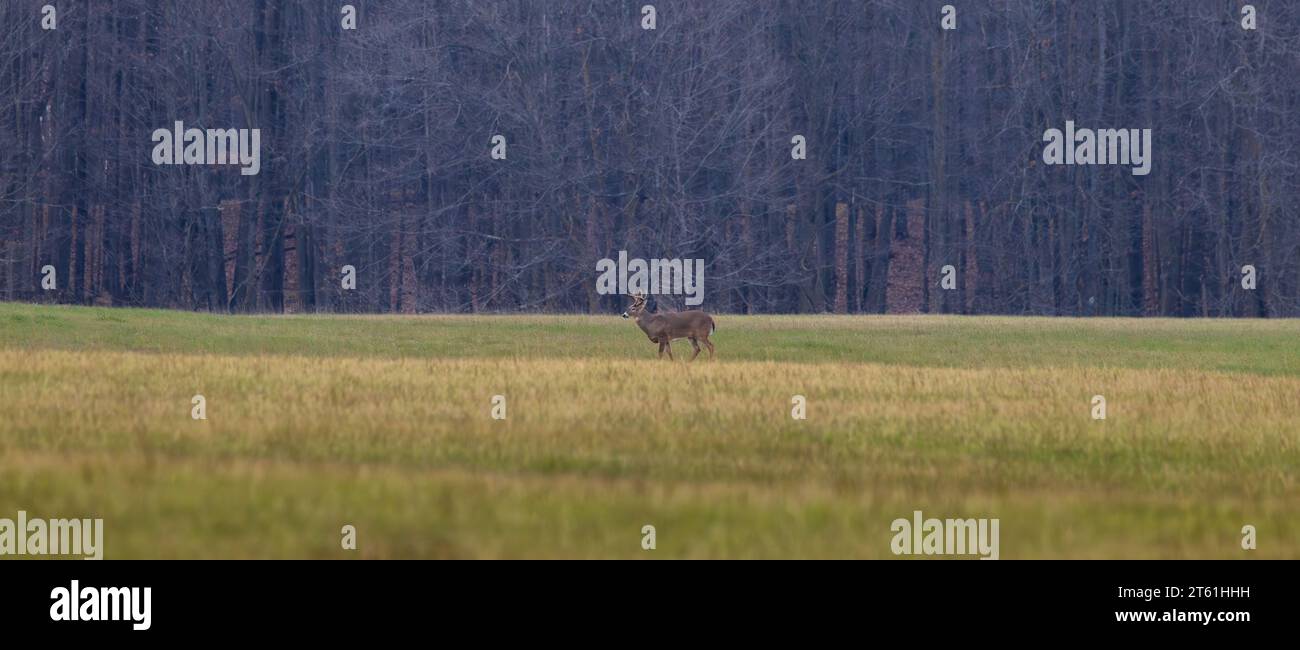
(638, 305)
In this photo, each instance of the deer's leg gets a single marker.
(661, 350)
(695, 344)
(709, 345)
(669, 347)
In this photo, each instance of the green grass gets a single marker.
(1253, 346)
(383, 422)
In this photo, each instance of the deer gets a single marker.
(664, 328)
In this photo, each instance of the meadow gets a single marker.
(384, 423)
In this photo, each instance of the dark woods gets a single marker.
(924, 150)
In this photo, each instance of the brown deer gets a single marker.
(663, 328)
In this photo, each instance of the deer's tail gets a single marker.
(713, 327)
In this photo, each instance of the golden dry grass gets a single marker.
(301, 441)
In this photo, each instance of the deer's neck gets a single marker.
(644, 322)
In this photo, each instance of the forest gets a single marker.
(923, 188)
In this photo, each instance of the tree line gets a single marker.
(923, 188)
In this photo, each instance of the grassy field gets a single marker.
(383, 423)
